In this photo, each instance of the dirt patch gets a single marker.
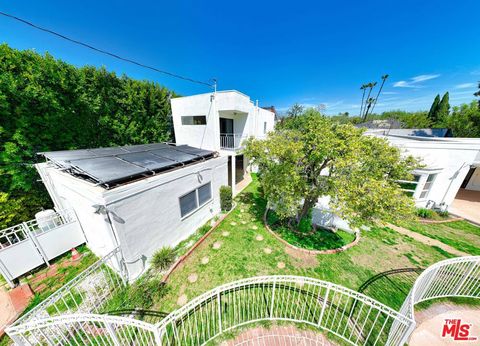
(301, 259)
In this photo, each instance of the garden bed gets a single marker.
(316, 241)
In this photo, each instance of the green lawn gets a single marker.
(241, 255)
(461, 235)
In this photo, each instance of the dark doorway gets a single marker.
(467, 177)
(239, 170)
(226, 126)
(229, 171)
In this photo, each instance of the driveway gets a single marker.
(467, 205)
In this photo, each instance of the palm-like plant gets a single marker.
(363, 87)
(384, 78)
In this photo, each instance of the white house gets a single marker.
(139, 198)
(221, 121)
(450, 166)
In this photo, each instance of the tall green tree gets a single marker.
(443, 108)
(47, 104)
(311, 156)
(433, 112)
(465, 120)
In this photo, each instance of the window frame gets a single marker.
(197, 200)
(193, 120)
(420, 184)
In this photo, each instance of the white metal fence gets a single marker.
(88, 292)
(231, 141)
(347, 314)
(456, 277)
(30, 244)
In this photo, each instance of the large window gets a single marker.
(194, 120)
(195, 199)
(408, 186)
(420, 186)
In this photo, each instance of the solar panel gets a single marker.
(110, 166)
(107, 169)
(147, 160)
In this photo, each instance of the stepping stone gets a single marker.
(280, 265)
(267, 250)
(259, 237)
(226, 234)
(193, 278)
(217, 245)
(242, 210)
(205, 260)
(182, 300)
(244, 222)
(233, 223)
(254, 227)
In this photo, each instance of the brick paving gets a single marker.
(278, 336)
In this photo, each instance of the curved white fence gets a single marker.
(349, 315)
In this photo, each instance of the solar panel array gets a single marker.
(112, 166)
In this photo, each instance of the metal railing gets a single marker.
(86, 293)
(18, 233)
(231, 141)
(455, 277)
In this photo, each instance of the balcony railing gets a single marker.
(231, 141)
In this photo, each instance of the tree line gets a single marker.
(47, 104)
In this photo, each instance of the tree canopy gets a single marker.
(47, 104)
(310, 156)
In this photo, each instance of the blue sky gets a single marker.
(317, 52)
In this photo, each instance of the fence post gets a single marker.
(5, 274)
(16, 340)
(219, 312)
(273, 297)
(33, 238)
(157, 336)
(323, 306)
(111, 333)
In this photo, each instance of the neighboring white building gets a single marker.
(449, 164)
(221, 121)
(137, 197)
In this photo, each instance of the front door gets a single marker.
(226, 126)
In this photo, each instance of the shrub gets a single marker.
(162, 258)
(443, 213)
(226, 198)
(425, 213)
(145, 292)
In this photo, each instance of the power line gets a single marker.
(104, 51)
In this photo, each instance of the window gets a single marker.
(194, 120)
(408, 186)
(188, 203)
(265, 127)
(204, 194)
(427, 186)
(195, 199)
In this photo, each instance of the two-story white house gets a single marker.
(221, 121)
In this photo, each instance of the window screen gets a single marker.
(188, 203)
(204, 193)
(194, 120)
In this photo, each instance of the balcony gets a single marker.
(231, 141)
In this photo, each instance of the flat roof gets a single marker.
(113, 166)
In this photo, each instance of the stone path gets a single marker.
(427, 240)
(12, 304)
(278, 335)
(430, 324)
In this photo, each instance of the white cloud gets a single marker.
(414, 82)
(465, 85)
(389, 93)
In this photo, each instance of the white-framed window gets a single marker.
(194, 120)
(195, 199)
(427, 186)
(409, 186)
(264, 127)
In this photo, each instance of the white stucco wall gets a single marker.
(248, 118)
(450, 159)
(145, 214)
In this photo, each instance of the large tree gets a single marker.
(311, 156)
(433, 112)
(443, 108)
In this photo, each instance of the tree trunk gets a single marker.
(307, 205)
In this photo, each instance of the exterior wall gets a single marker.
(248, 118)
(474, 182)
(449, 159)
(70, 192)
(146, 214)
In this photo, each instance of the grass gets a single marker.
(242, 256)
(461, 235)
(320, 239)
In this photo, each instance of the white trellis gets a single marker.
(347, 314)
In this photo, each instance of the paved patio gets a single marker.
(467, 205)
